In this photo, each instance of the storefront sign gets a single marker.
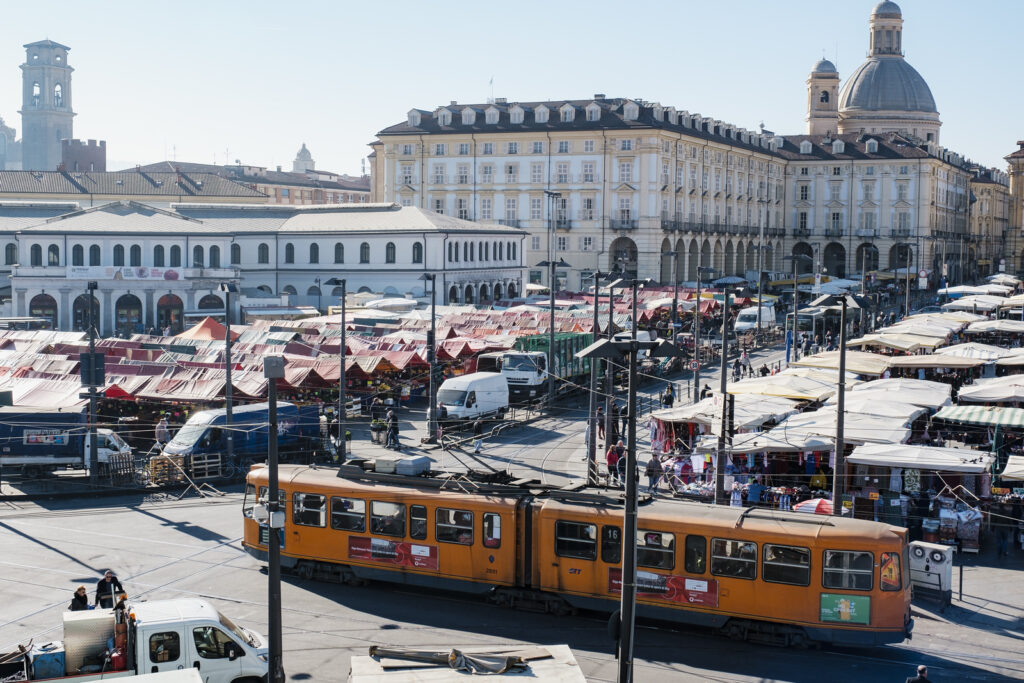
(400, 553)
(873, 495)
(123, 273)
(678, 589)
(845, 609)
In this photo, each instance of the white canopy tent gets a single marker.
(769, 442)
(786, 386)
(980, 302)
(856, 361)
(857, 428)
(985, 352)
(866, 403)
(919, 392)
(922, 458)
(749, 412)
(1008, 389)
(1003, 325)
(1014, 468)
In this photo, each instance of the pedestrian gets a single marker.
(624, 414)
(654, 473)
(745, 362)
(163, 431)
(621, 465)
(669, 399)
(705, 392)
(391, 422)
(600, 422)
(80, 600)
(478, 435)
(737, 370)
(921, 677)
(106, 589)
(612, 460)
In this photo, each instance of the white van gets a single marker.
(478, 394)
(747, 318)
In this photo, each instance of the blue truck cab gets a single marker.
(298, 431)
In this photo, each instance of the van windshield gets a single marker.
(189, 434)
(230, 625)
(521, 363)
(454, 397)
(747, 318)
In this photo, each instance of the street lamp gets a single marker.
(94, 464)
(696, 332)
(319, 295)
(273, 370)
(675, 288)
(842, 302)
(761, 249)
(792, 341)
(342, 408)
(228, 288)
(551, 326)
(906, 262)
(432, 360)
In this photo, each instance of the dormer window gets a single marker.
(540, 114)
(414, 118)
(593, 113)
(468, 116)
(491, 116)
(872, 146)
(631, 111)
(838, 146)
(568, 113)
(805, 147)
(444, 117)
(515, 114)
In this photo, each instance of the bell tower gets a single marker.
(823, 99)
(46, 114)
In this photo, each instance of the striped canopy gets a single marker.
(983, 415)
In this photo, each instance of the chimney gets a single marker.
(278, 169)
(599, 96)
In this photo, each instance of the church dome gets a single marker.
(887, 8)
(824, 67)
(304, 154)
(886, 84)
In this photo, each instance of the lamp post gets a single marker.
(551, 326)
(432, 360)
(342, 408)
(795, 258)
(319, 295)
(675, 289)
(273, 370)
(619, 350)
(592, 408)
(228, 288)
(696, 333)
(94, 463)
(723, 380)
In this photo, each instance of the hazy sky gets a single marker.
(219, 79)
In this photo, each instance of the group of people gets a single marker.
(107, 589)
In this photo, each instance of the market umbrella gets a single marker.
(817, 506)
(728, 280)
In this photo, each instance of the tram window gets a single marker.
(889, 572)
(786, 564)
(696, 554)
(611, 544)
(282, 497)
(309, 509)
(453, 526)
(575, 539)
(418, 522)
(249, 501)
(387, 519)
(736, 559)
(848, 569)
(348, 514)
(492, 530)
(655, 549)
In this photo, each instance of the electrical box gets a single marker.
(931, 571)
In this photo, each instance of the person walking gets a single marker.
(612, 460)
(921, 677)
(745, 362)
(80, 600)
(624, 415)
(654, 473)
(478, 435)
(106, 589)
(600, 422)
(392, 426)
(669, 399)
(163, 431)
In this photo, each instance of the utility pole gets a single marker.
(228, 288)
(838, 481)
(273, 370)
(96, 367)
(342, 380)
(720, 469)
(432, 426)
(592, 407)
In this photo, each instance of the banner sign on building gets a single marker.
(123, 273)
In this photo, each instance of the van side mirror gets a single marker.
(232, 652)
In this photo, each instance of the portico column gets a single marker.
(64, 314)
(21, 306)
(109, 315)
(150, 316)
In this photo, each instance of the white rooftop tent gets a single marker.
(857, 428)
(1014, 468)
(922, 458)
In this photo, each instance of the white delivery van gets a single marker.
(478, 394)
(747, 318)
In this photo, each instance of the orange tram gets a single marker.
(787, 578)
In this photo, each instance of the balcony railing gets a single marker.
(510, 222)
(901, 232)
(623, 224)
(833, 232)
(867, 232)
(562, 224)
(801, 232)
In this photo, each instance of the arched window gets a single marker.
(263, 253)
(11, 254)
(288, 289)
(36, 255)
(450, 259)
(364, 252)
(389, 252)
(135, 256)
(158, 256)
(175, 257)
(339, 252)
(824, 96)
(53, 255)
(197, 256)
(236, 254)
(314, 253)
(289, 253)
(95, 256)
(118, 254)
(417, 252)
(58, 96)
(77, 255)
(35, 94)
(215, 256)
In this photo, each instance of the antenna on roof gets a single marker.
(490, 100)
